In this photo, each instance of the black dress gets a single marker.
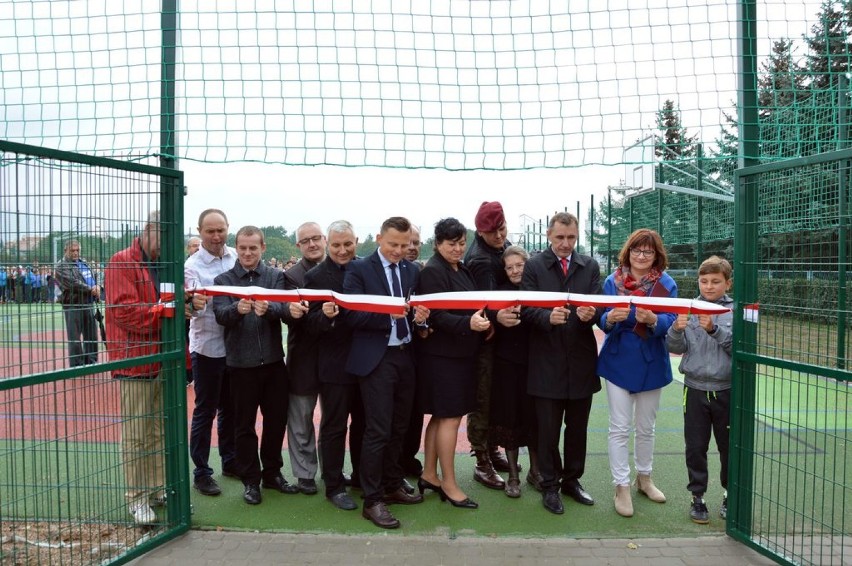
(512, 418)
(446, 359)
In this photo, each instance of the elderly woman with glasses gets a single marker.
(635, 363)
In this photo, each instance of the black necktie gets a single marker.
(401, 326)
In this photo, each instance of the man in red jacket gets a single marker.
(133, 331)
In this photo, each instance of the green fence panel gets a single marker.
(791, 425)
(64, 460)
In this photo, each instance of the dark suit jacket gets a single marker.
(452, 336)
(563, 359)
(333, 334)
(302, 348)
(371, 331)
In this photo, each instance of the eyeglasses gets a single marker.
(315, 239)
(636, 252)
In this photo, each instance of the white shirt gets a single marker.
(206, 337)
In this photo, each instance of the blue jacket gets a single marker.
(629, 361)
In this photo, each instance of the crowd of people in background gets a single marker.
(523, 376)
(28, 285)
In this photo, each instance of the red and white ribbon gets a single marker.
(466, 300)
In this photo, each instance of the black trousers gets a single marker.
(704, 411)
(212, 402)
(550, 415)
(263, 387)
(388, 394)
(413, 437)
(337, 403)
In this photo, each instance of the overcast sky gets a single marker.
(268, 195)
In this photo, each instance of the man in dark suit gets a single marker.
(382, 360)
(340, 396)
(563, 359)
(302, 360)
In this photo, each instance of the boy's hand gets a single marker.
(680, 322)
(706, 322)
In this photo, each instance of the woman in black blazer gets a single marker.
(446, 362)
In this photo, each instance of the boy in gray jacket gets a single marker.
(705, 342)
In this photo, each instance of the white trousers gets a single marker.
(629, 411)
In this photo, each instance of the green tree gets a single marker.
(279, 244)
(781, 80)
(366, 247)
(830, 44)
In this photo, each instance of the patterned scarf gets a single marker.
(625, 284)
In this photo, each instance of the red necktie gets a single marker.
(564, 261)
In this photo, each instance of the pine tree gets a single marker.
(830, 44)
(781, 81)
(673, 144)
(725, 158)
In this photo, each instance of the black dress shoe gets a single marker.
(343, 501)
(401, 496)
(280, 484)
(206, 485)
(228, 473)
(552, 502)
(409, 489)
(466, 503)
(307, 486)
(423, 485)
(380, 516)
(576, 492)
(252, 494)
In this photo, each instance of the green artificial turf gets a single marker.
(497, 515)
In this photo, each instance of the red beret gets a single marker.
(489, 217)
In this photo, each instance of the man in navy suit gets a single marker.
(381, 358)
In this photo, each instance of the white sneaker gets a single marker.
(142, 513)
(157, 500)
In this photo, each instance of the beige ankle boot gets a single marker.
(645, 485)
(623, 501)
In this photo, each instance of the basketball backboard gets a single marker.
(640, 164)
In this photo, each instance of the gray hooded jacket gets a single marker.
(706, 361)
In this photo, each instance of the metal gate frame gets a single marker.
(169, 183)
(815, 535)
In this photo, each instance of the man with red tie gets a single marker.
(563, 359)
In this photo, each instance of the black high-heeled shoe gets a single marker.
(466, 503)
(423, 485)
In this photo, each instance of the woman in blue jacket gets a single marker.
(635, 363)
